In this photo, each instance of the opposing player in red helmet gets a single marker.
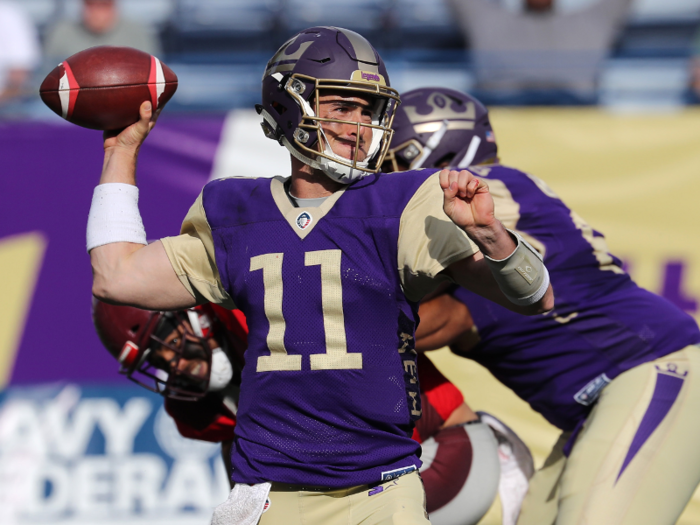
(192, 357)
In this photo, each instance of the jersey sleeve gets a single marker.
(191, 255)
(507, 209)
(428, 240)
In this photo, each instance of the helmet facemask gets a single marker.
(401, 157)
(318, 153)
(165, 377)
(412, 154)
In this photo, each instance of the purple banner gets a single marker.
(48, 175)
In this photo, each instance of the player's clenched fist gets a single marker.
(467, 200)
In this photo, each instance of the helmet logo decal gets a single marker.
(490, 137)
(304, 220)
(129, 353)
(368, 76)
(283, 61)
(441, 109)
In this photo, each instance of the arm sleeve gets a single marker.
(439, 399)
(428, 240)
(207, 419)
(193, 258)
(220, 430)
(444, 396)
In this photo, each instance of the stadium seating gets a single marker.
(218, 46)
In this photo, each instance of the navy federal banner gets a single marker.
(75, 454)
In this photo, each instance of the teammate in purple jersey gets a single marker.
(328, 266)
(613, 365)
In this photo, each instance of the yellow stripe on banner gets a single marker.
(20, 262)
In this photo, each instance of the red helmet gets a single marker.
(131, 334)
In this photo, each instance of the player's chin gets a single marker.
(350, 152)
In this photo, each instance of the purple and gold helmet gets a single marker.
(435, 127)
(323, 59)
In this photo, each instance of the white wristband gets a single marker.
(114, 216)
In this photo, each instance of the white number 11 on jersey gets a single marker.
(336, 356)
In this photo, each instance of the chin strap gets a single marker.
(193, 318)
(336, 171)
(221, 370)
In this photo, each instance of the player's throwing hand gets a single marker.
(467, 200)
(133, 136)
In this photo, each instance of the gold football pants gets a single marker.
(636, 460)
(399, 501)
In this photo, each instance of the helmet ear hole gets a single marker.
(279, 108)
(134, 329)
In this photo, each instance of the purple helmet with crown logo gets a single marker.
(436, 127)
(318, 60)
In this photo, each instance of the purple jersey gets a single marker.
(329, 392)
(602, 324)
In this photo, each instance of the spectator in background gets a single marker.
(538, 55)
(693, 94)
(100, 25)
(19, 51)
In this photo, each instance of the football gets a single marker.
(103, 87)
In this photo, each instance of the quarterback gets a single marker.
(193, 358)
(328, 266)
(613, 365)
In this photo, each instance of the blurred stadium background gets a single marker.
(81, 445)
